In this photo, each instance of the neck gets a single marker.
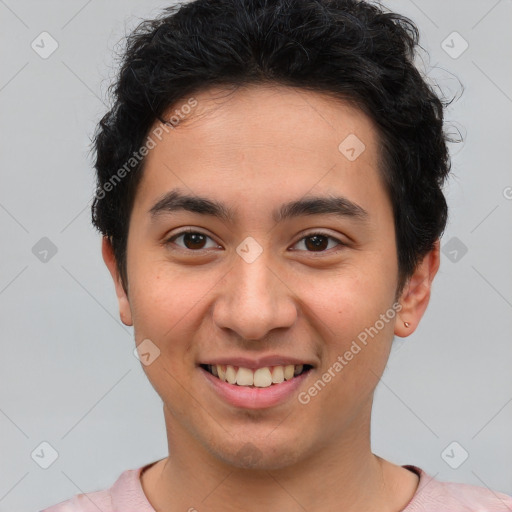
(343, 473)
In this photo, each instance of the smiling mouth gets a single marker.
(257, 378)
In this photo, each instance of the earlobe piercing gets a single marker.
(406, 324)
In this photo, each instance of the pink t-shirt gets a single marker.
(127, 495)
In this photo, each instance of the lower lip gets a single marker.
(255, 398)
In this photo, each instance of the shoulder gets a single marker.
(433, 494)
(125, 493)
(89, 502)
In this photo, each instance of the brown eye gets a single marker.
(192, 240)
(318, 242)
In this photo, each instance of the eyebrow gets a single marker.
(176, 200)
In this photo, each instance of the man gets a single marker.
(269, 190)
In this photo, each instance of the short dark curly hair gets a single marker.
(350, 49)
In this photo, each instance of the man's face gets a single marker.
(256, 292)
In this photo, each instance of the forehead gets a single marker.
(273, 115)
(264, 142)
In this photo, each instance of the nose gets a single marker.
(254, 299)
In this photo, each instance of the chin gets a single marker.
(259, 454)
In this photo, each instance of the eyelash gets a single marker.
(308, 235)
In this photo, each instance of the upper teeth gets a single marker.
(260, 377)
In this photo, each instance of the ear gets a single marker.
(107, 251)
(416, 294)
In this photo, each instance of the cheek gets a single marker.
(354, 296)
(358, 315)
(167, 304)
(167, 308)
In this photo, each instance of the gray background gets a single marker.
(68, 373)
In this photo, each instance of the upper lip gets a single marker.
(261, 362)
